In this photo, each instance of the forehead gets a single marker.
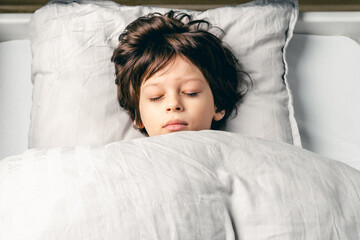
(178, 69)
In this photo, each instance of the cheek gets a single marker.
(206, 109)
(148, 112)
(143, 108)
(209, 102)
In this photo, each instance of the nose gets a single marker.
(174, 105)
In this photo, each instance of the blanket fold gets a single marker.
(185, 185)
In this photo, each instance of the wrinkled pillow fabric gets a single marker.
(186, 185)
(74, 97)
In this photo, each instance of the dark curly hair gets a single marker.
(150, 42)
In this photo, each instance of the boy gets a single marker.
(173, 75)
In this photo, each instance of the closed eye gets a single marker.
(154, 99)
(192, 94)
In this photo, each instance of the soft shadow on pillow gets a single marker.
(74, 97)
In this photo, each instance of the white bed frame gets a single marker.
(346, 24)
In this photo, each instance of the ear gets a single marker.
(219, 115)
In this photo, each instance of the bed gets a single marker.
(286, 167)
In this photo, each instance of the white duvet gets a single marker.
(186, 185)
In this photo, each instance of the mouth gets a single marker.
(175, 125)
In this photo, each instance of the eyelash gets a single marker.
(193, 94)
(154, 99)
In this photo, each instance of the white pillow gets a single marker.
(74, 98)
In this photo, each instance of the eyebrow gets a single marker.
(185, 80)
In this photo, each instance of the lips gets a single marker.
(175, 125)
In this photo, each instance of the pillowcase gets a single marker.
(74, 97)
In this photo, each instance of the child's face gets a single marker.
(177, 98)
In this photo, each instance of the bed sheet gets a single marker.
(15, 96)
(185, 185)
